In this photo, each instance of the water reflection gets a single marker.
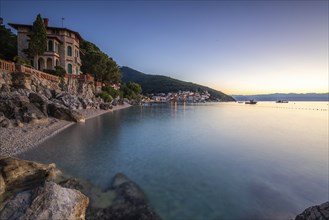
(205, 161)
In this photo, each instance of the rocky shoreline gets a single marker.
(30, 190)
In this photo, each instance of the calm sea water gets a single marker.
(205, 161)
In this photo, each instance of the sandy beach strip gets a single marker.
(16, 140)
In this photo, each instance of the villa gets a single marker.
(62, 48)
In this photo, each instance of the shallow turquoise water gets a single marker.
(206, 161)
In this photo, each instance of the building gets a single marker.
(62, 48)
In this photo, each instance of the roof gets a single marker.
(16, 26)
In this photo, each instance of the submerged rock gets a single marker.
(130, 203)
(318, 212)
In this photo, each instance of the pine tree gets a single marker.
(8, 43)
(38, 39)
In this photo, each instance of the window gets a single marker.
(56, 47)
(50, 45)
(69, 51)
(77, 70)
(69, 68)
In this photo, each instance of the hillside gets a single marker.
(165, 84)
(285, 96)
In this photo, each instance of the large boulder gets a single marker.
(49, 201)
(17, 106)
(70, 101)
(22, 174)
(40, 101)
(105, 106)
(318, 212)
(130, 203)
(61, 112)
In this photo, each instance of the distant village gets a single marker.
(181, 96)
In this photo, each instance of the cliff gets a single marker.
(28, 98)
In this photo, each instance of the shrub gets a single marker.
(50, 71)
(111, 91)
(58, 71)
(21, 60)
(105, 96)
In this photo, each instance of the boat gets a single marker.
(251, 102)
(281, 101)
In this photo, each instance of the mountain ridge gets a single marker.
(165, 84)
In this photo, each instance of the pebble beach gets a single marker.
(16, 140)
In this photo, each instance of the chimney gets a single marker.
(45, 21)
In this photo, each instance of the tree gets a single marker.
(38, 39)
(103, 67)
(135, 87)
(8, 43)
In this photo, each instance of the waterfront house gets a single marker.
(62, 48)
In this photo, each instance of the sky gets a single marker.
(237, 47)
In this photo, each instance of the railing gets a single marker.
(38, 73)
(84, 77)
(7, 66)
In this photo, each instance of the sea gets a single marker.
(205, 161)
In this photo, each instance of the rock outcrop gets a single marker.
(318, 212)
(27, 193)
(26, 98)
(49, 201)
(21, 174)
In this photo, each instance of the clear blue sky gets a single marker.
(238, 47)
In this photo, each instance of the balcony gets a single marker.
(51, 53)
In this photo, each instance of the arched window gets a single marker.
(69, 51)
(49, 63)
(69, 68)
(50, 45)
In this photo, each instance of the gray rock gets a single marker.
(319, 212)
(70, 101)
(40, 101)
(105, 106)
(63, 113)
(50, 201)
(22, 174)
(5, 122)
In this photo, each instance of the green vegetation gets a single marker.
(38, 39)
(97, 63)
(8, 44)
(58, 71)
(111, 91)
(105, 96)
(21, 60)
(164, 84)
(131, 90)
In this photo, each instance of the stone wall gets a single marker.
(81, 88)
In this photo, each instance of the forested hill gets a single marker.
(164, 84)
